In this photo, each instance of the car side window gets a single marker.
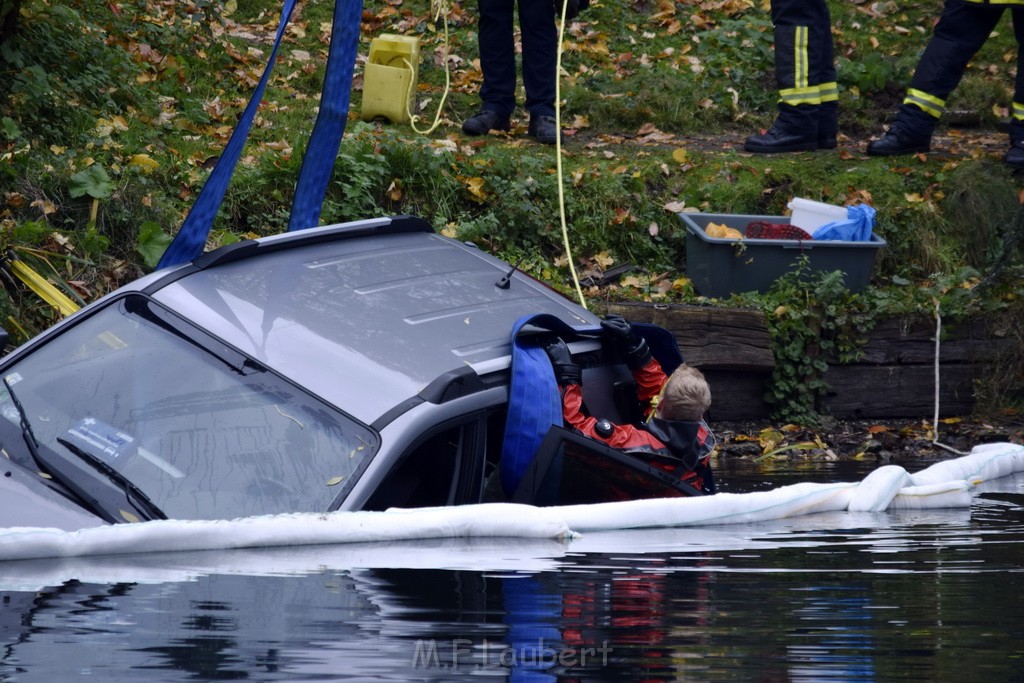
(444, 469)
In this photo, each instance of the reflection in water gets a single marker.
(908, 596)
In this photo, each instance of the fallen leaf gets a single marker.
(44, 205)
(476, 188)
(769, 439)
(395, 191)
(144, 162)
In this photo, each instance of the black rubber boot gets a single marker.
(896, 142)
(1014, 157)
(484, 121)
(795, 130)
(543, 129)
(910, 133)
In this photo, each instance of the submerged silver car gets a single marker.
(355, 366)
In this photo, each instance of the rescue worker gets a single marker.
(496, 39)
(806, 76)
(675, 426)
(963, 28)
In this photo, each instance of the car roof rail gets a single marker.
(387, 225)
(327, 233)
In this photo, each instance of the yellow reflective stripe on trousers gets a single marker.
(795, 96)
(800, 60)
(928, 103)
(828, 92)
(1018, 111)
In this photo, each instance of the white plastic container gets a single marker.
(810, 215)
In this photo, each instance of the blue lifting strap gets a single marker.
(318, 161)
(191, 238)
(534, 403)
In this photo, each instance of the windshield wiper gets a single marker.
(141, 501)
(67, 484)
(26, 429)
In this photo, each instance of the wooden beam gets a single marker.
(729, 338)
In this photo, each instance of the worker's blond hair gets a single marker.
(687, 395)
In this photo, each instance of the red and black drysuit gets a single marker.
(690, 442)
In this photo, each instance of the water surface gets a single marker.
(917, 596)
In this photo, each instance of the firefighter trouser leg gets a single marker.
(1017, 115)
(804, 62)
(962, 29)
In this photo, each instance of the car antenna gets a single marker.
(506, 280)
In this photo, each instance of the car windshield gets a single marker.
(199, 429)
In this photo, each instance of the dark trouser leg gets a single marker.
(962, 29)
(540, 52)
(1017, 115)
(828, 89)
(1015, 155)
(497, 55)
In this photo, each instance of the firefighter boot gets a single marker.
(1014, 157)
(795, 130)
(910, 133)
(828, 125)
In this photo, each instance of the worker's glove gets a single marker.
(620, 333)
(566, 371)
(572, 8)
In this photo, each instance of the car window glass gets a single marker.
(424, 477)
(201, 436)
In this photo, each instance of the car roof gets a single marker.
(366, 315)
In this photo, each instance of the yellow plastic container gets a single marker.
(390, 77)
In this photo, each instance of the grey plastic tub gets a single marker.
(719, 267)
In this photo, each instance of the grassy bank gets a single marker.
(112, 114)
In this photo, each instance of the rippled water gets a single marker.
(893, 596)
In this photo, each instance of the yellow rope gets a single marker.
(558, 156)
(440, 9)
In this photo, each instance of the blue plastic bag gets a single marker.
(860, 219)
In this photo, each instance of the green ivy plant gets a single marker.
(812, 318)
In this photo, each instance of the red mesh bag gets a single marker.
(763, 230)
